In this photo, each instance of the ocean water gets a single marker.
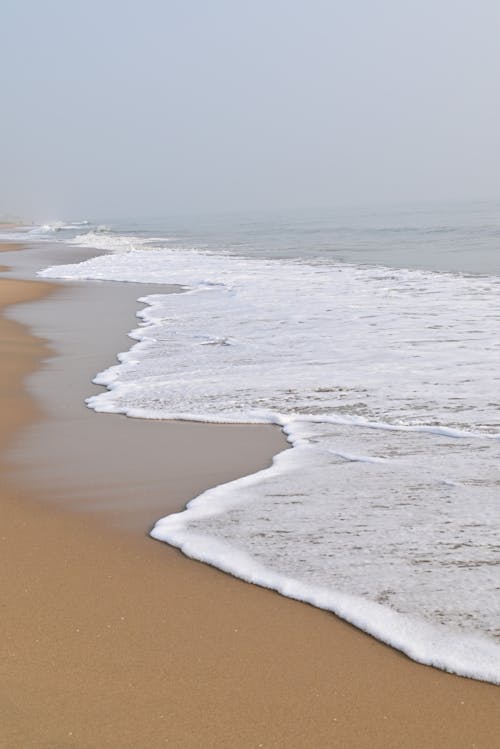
(372, 338)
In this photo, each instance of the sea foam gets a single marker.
(386, 509)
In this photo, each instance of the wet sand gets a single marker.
(110, 639)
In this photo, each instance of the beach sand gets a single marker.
(110, 639)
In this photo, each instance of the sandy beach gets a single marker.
(110, 639)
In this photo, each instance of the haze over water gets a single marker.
(138, 109)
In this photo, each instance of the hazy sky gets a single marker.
(114, 107)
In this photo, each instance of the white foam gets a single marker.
(406, 348)
(230, 527)
(101, 239)
(41, 232)
(52, 227)
(386, 509)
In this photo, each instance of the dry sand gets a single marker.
(110, 639)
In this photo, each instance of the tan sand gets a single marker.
(109, 639)
(9, 246)
(20, 355)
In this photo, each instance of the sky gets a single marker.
(119, 107)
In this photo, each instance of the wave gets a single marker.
(103, 239)
(42, 232)
(56, 226)
(385, 510)
(206, 530)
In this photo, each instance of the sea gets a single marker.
(371, 337)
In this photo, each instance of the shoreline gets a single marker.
(84, 342)
(112, 639)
